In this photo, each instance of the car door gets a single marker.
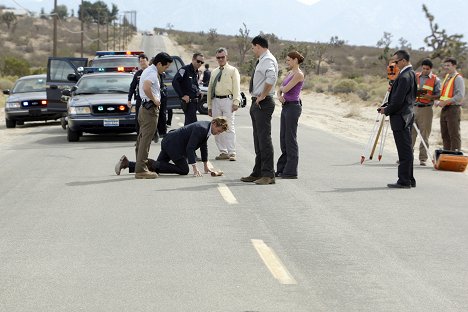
(59, 70)
(173, 100)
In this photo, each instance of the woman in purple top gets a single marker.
(288, 94)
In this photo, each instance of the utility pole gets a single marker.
(54, 44)
(82, 27)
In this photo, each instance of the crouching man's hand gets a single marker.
(196, 172)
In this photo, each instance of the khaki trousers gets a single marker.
(148, 119)
(423, 120)
(450, 127)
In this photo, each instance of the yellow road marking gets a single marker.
(273, 263)
(227, 194)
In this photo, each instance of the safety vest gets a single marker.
(447, 87)
(428, 86)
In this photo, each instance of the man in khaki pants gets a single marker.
(428, 90)
(150, 92)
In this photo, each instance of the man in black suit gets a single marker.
(400, 109)
(179, 146)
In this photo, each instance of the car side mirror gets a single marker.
(7, 92)
(74, 88)
(66, 92)
(72, 77)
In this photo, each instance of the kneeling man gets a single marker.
(179, 146)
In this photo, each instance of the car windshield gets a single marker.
(127, 61)
(104, 84)
(30, 85)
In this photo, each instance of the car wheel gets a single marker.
(202, 106)
(20, 122)
(10, 123)
(73, 136)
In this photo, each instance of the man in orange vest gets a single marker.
(451, 97)
(428, 90)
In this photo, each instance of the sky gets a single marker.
(359, 22)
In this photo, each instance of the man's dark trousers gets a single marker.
(163, 165)
(162, 119)
(190, 112)
(288, 161)
(261, 123)
(403, 143)
(137, 109)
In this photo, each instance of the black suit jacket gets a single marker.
(401, 100)
(183, 142)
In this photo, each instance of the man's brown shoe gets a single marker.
(146, 175)
(265, 181)
(249, 179)
(121, 164)
(222, 156)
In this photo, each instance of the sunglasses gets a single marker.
(221, 57)
(200, 62)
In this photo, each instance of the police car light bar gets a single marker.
(90, 70)
(128, 53)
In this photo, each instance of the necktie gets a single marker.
(252, 77)
(215, 81)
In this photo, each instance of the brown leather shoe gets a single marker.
(249, 179)
(146, 175)
(121, 164)
(265, 181)
(222, 156)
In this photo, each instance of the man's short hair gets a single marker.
(197, 54)
(142, 56)
(261, 41)
(222, 122)
(427, 62)
(402, 54)
(162, 58)
(451, 60)
(207, 65)
(221, 50)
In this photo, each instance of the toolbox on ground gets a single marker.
(450, 161)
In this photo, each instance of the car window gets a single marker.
(30, 85)
(116, 62)
(172, 70)
(60, 70)
(104, 84)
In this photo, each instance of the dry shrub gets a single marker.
(345, 86)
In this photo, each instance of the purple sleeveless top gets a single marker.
(293, 94)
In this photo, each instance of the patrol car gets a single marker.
(27, 101)
(98, 104)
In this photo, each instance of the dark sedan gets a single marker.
(27, 101)
(98, 104)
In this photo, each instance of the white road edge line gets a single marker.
(273, 263)
(227, 194)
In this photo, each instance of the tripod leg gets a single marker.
(377, 137)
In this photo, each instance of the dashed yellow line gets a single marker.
(273, 263)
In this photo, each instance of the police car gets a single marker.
(27, 101)
(112, 59)
(98, 103)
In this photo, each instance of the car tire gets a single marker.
(73, 136)
(19, 122)
(202, 106)
(10, 123)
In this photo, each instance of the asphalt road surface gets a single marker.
(76, 237)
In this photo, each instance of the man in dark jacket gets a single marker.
(179, 146)
(185, 84)
(400, 109)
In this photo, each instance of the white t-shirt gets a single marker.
(151, 74)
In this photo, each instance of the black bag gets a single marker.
(243, 101)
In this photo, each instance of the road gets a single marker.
(76, 237)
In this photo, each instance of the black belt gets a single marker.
(292, 102)
(193, 100)
(222, 96)
(254, 98)
(422, 105)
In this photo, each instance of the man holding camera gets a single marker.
(150, 93)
